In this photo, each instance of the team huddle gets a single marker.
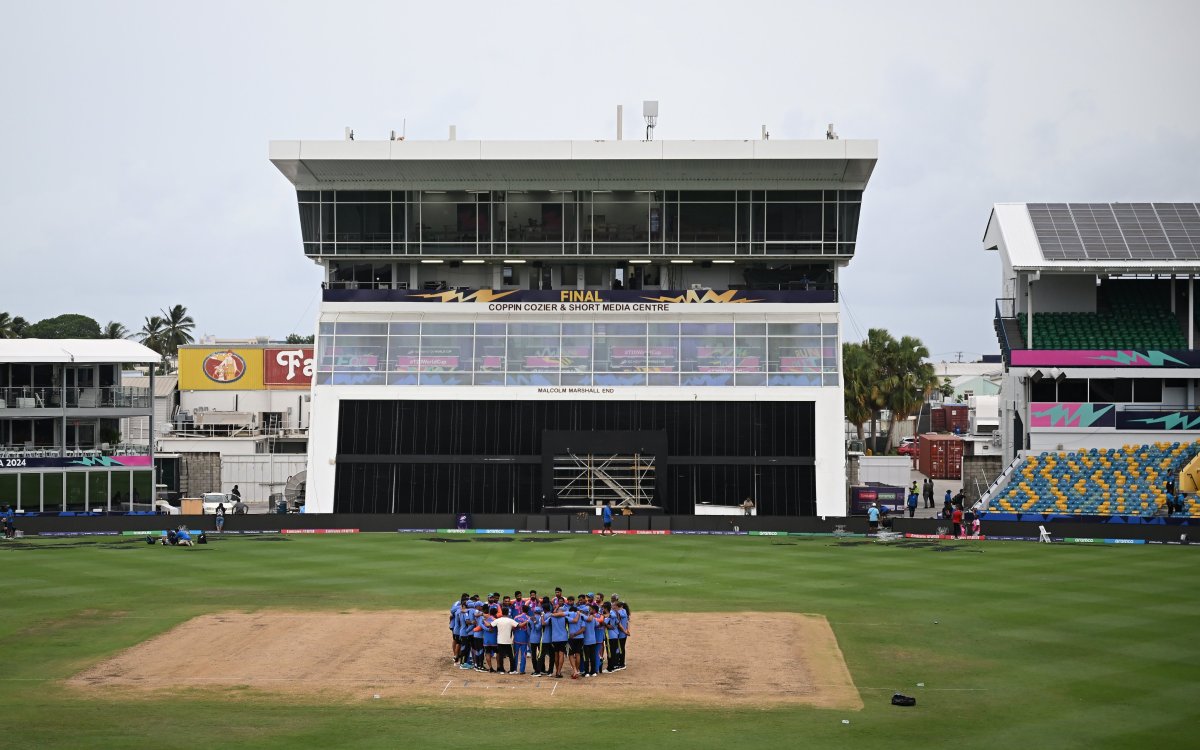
(585, 633)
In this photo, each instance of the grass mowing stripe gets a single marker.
(1063, 645)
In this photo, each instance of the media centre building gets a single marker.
(524, 327)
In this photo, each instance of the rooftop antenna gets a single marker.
(650, 112)
(403, 131)
(829, 134)
(766, 135)
(349, 133)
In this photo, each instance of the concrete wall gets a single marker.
(978, 474)
(199, 473)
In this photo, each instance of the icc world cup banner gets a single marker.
(585, 296)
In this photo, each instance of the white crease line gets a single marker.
(553, 689)
(447, 686)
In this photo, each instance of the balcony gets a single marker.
(32, 450)
(56, 398)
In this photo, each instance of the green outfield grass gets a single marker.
(1036, 645)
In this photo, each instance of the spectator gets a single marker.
(956, 518)
(912, 504)
(873, 516)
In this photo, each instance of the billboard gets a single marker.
(242, 368)
(289, 367)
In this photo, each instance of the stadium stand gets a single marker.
(1129, 481)
(1129, 320)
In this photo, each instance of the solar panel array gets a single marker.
(1117, 231)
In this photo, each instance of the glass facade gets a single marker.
(579, 222)
(76, 491)
(803, 352)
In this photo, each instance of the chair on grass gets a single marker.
(1043, 535)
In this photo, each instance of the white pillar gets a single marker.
(1028, 313)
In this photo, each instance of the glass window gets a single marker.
(404, 329)
(707, 329)
(362, 329)
(143, 488)
(1122, 390)
(310, 222)
(1145, 390)
(848, 222)
(403, 352)
(490, 329)
(1043, 390)
(121, 490)
(751, 354)
(534, 217)
(576, 353)
(622, 216)
(786, 354)
(97, 490)
(52, 492)
(1073, 389)
(31, 492)
(1101, 389)
(577, 329)
(76, 491)
(441, 353)
(533, 329)
(446, 329)
(793, 222)
(358, 353)
(707, 222)
(534, 353)
(8, 489)
(751, 329)
(794, 329)
(620, 329)
(664, 329)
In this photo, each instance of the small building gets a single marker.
(242, 418)
(62, 404)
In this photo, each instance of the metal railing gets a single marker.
(55, 451)
(50, 397)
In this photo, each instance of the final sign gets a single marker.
(288, 367)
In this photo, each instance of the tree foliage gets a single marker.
(295, 338)
(12, 327)
(66, 326)
(177, 327)
(114, 330)
(885, 373)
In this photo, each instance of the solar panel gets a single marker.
(1117, 231)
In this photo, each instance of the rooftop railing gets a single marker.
(57, 397)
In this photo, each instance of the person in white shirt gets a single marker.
(504, 626)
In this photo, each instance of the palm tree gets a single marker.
(114, 330)
(908, 380)
(177, 328)
(859, 371)
(152, 333)
(12, 327)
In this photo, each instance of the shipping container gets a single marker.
(941, 456)
(946, 417)
(958, 418)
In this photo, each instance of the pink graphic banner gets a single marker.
(1103, 358)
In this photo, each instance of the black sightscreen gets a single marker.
(487, 456)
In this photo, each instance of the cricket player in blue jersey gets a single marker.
(559, 637)
(520, 638)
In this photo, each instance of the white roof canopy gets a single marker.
(1012, 232)
(576, 165)
(76, 351)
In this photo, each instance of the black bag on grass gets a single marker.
(903, 700)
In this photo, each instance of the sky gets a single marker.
(134, 136)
